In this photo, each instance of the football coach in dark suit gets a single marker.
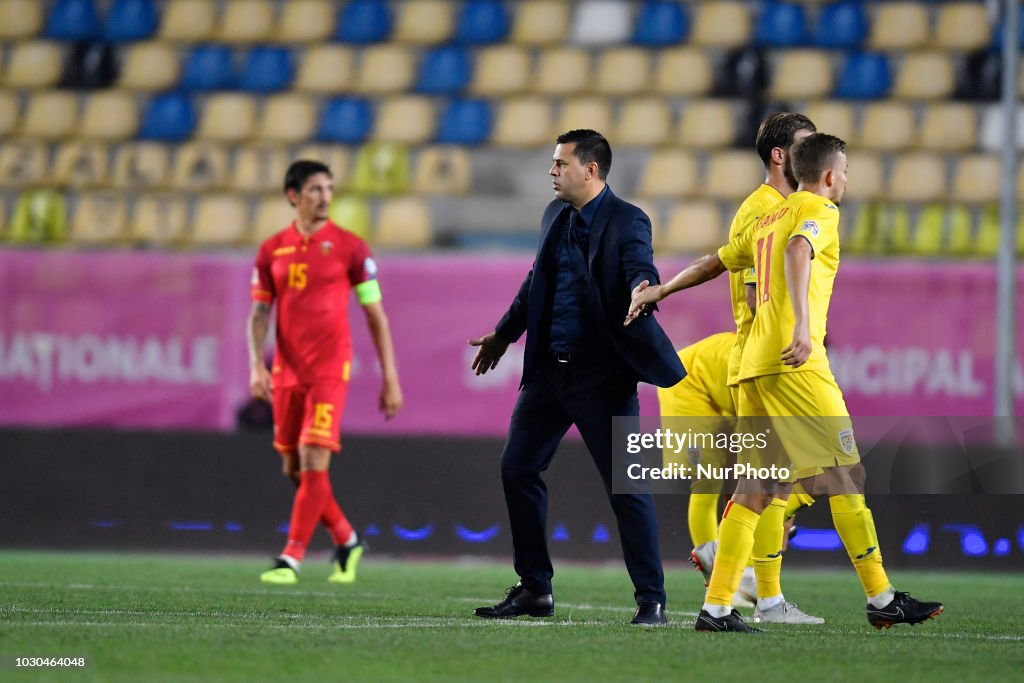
(581, 366)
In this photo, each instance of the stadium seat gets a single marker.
(246, 21)
(345, 119)
(587, 111)
(866, 175)
(501, 70)
(141, 165)
(842, 25)
(220, 220)
(33, 64)
(801, 75)
(693, 227)
(962, 26)
(601, 22)
(273, 214)
(481, 22)
(887, 125)
(382, 168)
(364, 21)
(743, 73)
(130, 20)
(81, 164)
(563, 71)
(151, 65)
(403, 223)
(683, 71)
(706, 124)
(899, 26)
(917, 177)
(90, 66)
(980, 76)
(352, 213)
(660, 23)
(385, 69)
(442, 170)
(22, 162)
(645, 121)
(540, 22)
(200, 166)
(50, 115)
(874, 225)
(267, 69)
(73, 20)
(731, 173)
(259, 168)
(949, 127)
(10, 111)
(721, 24)
(989, 227)
(991, 133)
(286, 118)
(942, 228)
(20, 19)
(924, 76)
(864, 76)
(832, 116)
(39, 217)
(208, 67)
(426, 22)
(159, 220)
(523, 122)
(111, 115)
(623, 71)
(781, 24)
(407, 119)
(3, 217)
(227, 117)
(188, 21)
(304, 21)
(336, 157)
(977, 178)
(99, 219)
(444, 70)
(465, 122)
(326, 69)
(669, 173)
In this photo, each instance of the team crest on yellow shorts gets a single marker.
(846, 440)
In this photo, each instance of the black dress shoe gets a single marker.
(649, 614)
(519, 601)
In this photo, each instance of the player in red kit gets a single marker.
(309, 269)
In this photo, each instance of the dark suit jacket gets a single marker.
(620, 258)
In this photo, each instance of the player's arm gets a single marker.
(798, 282)
(391, 398)
(700, 271)
(260, 385)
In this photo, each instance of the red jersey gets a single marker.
(311, 278)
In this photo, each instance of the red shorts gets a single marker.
(309, 414)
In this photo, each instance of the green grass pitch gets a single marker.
(200, 618)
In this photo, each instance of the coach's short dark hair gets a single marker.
(815, 154)
(302, 170)
(590, 146)
(778, 130)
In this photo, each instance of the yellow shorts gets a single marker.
(755, 420)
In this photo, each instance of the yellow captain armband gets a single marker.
(368, 292)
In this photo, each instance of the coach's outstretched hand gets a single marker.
(492, 348)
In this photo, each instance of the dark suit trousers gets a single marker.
(588, 393)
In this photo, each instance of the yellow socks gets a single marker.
(856, 528)
(702, 517)
(767, 549)
(735, 540)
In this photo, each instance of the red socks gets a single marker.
(309, 505)
(334, 519)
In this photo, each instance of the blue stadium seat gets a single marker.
(364, 21)
(208, 67)
(267, 69)
(842, 25)
(481, 22)
(169, 117)
(864, 76)
(781, 24)
(130, 20)
(465, 122)
(345, 119)
(661, 22)
(73, 20)
(444, 70)
(997, 39)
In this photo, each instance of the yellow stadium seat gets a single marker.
(899, 25)
(887, 125)
(962, 26)
(623, 71)
(81, 164)
(33, 64)
(246, 21)
(407, 118)
(834, 117)
(802, 74)
(442, 170)
(336, 157)
(501, 70)
(942, 228)
(644, 121)
(426, 22)
(721, 24)
(385, 69)
(917, 177)
(693, 227)
(39, 216)
(50, 115)
(160, 220)
(220, 220)
(594, 113)
(730, 174)
(99, 218)
(874, 228)
(925, 76)
(949, 127)
(200, 166)
(142, 165)
(3, 217)
(22, 162)
(707, 124)
(326, 69)
(188, 21)
(563, 71)
(403, 223)
(670, 173)
(352, 213)
(522, 122)
(20, 18)
(286, 118)
(382, 168)
(10, 109)
(976, 178)
(683, 71)
(227, 117)
(273, 214)
(152, 65)
(540, 22)
(305, 21)
(866, 175)
(109, 115)
(259, 168)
